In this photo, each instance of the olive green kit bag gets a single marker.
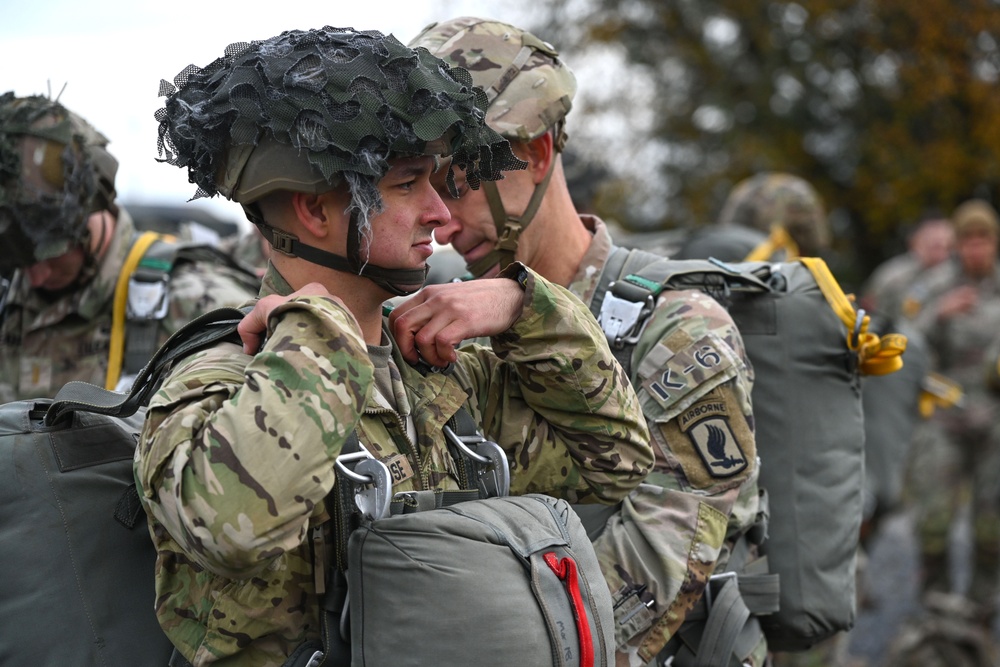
(809, 347)
(78, 584)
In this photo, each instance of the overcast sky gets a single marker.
(105, 59)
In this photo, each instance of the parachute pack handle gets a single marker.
(876, 355)
(207, 329)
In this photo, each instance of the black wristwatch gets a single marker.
(516, 271)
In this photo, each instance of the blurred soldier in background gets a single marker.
(929, 244)
(250, 249)
(959, 448)
(771, 216)
(83, 296)
(663, 543)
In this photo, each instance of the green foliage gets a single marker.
(889, 108)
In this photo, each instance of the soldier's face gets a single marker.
(471, 230)
(977, 250)
(56, 273)
(403, 232)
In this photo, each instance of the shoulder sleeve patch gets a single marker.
(679, 371)
(711, 440)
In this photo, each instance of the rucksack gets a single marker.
(808, 346)
(78, 587)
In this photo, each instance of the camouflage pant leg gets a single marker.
(983, 453)
(935, 478)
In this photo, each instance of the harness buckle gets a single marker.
(722, 577)
(371, 481)
(147, 300)
(622, 319)
(488, 459)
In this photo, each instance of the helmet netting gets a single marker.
(349, 101)
(39, 219)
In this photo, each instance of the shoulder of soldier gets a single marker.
(693, 310)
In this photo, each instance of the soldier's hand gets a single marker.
(435, 320)
(253, 327)
(959, 300)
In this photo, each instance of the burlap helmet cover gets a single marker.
(312, 106)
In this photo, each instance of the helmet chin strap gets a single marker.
(399, 282)
(509, 227)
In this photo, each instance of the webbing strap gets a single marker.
(509, 227)
(725, 621)
(876, 356)
(779, 239)
(117, 352)
(206, 329)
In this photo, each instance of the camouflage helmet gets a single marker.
(55, 170)
(975, 215)
(771, 200)
(308, 109)
(530, 89)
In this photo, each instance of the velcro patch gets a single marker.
(711, 440)
(679, 372)
(399, 467)
(707, 426)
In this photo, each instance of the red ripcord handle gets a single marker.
(565, 569)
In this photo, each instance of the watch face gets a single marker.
(522, 278)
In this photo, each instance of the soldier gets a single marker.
(960, 447)
(251, 250)
(930, 243)
(67, 260)
(238, 450)
(771, 216)
(659, 549)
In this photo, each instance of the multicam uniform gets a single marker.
(46, 343)
(963, 442)
(674, 531)
(235, 572)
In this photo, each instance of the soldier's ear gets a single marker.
(539, 153)
(314, 212)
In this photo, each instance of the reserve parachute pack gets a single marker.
(808, 346)
(74, 543)
(518, 576)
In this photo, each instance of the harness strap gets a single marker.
(116, 354)
(509, 227)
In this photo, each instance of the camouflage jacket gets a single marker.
(959, 344)
(45, 343)
(237, 454)
(691, 371)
